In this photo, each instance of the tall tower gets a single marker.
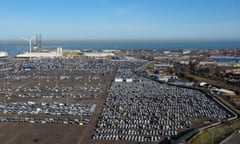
(36, 41)
(40, 41)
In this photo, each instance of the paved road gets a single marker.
(234, 140)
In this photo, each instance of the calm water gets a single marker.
(14, 49)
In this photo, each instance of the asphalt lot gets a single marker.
(74, 101)
(47, 101)
(142, 110)
(234, 139)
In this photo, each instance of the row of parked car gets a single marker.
(62, 109)
(45, 120)
(82, 92)
(145, 110)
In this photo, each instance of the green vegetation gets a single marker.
(150, 65)
(216, 134)
(216, 83)
(185, 137)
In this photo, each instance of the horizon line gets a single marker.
(127, 40)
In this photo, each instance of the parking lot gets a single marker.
(142, 110)
(62, 94)
(91, 101)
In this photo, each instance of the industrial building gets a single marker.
(42, 54)
(98, 54)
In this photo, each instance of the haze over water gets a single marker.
(17, 48)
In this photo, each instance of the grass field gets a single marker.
(149, 65)
(216, 134)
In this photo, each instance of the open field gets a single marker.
(24, 133)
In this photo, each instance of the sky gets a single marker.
(120, 19)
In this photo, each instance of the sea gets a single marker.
(14, 48)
